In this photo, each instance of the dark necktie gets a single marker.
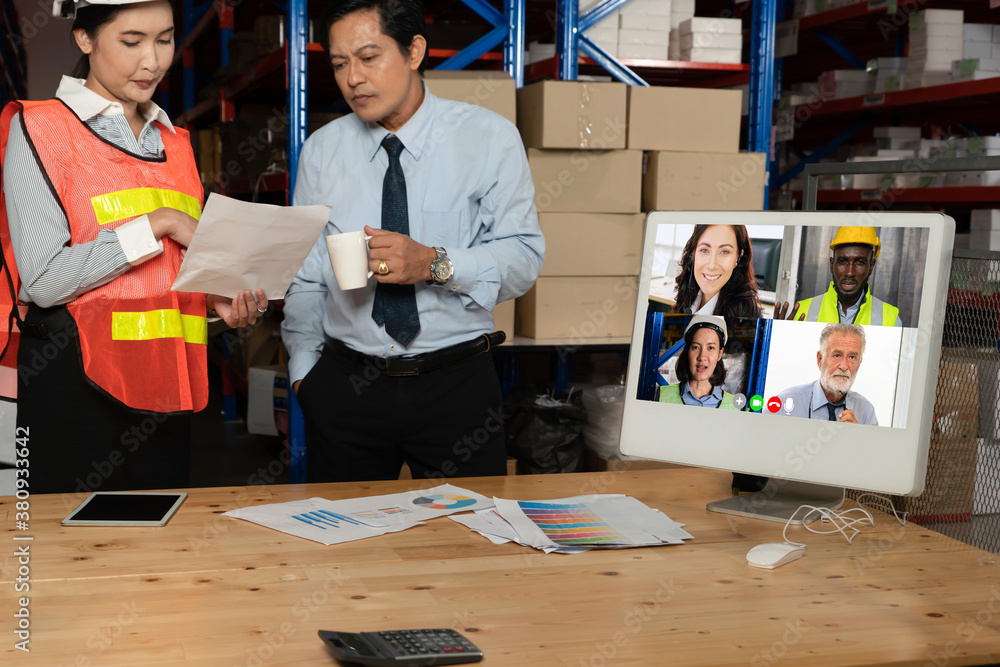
(396, 305)
(832, 407)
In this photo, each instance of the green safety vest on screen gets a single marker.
(672, 394)
(872, 311)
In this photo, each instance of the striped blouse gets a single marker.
(52, 271)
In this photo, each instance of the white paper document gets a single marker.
(574, 525)
(240, 245)
(336, 521)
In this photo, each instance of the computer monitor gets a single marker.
(812, 405)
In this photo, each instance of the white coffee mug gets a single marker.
(349, 259)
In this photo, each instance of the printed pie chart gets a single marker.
(444, 501)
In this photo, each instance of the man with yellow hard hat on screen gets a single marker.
(849, 298)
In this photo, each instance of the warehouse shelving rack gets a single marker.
(879, 28)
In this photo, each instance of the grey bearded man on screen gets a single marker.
(841, 349)
(400, 369)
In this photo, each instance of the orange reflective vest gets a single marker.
(140, 343)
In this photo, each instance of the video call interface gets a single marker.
(808, 322)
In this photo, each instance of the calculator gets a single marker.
(401, 647)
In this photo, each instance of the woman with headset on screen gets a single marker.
(700, 370)
(716, 273)
(101, 196)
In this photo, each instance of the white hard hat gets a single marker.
(66, 9)
(713, 322)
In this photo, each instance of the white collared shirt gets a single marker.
(52, 271)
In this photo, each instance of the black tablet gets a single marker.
(125, 508)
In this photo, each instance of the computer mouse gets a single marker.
(774, 554)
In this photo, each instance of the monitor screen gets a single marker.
(828, 378)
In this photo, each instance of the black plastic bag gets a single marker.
(545, 430)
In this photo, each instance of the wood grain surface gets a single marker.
(210, 591)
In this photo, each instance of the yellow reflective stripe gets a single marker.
(166, 323)
(139, 201)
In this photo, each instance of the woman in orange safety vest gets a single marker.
(100, 197)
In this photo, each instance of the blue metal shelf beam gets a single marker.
(508, 30)
(570, 26)
(838, 47)
(762, 79)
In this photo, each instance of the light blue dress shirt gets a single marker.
(809, 401)
(468, 189)
(847, 317)
(709, 400)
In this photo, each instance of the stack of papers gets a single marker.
(577, 524)
(336, 521)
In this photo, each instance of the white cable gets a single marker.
(883, 503)
(840, 519)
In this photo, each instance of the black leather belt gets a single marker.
(45, 324)
(422, 363)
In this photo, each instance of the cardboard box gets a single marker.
(491, 90)
(684, 119)
(643, 51)
(503, 318)
(676, 181)
(578, 307)
(592, 244)
(703, 55)
(572, 114)
(593, 181)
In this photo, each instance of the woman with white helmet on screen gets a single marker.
(101, 196)
(700, 369)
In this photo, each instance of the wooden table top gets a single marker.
(211, 591)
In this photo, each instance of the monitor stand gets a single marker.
(779, 499)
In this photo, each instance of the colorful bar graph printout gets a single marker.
(572, 524)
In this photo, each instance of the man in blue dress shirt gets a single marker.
(841, 348)
(399, 370)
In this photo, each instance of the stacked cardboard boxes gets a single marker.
(694, 163)
(980, 53)
(984, 230)
(680, 11)
(887, 75)
(587, 190)
(936, 39)
(494, 91)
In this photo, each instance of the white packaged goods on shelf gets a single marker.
(642, 51)
(977, 32)
(711, 40)
(995, 52)
(889, 132)
(983, 145)
(983, 178)
(968, 66)
(930, 16)
(919, 180)
(937, 31)
(674, 45)
(643, 21)
(868, 181)
(886, 64)
(649, 37)
(933, 47)
(977, 49)
(889, 83)
(702, 55)
(857, 75)
(996, 34)
(897, 144)
(679, 6)
(677, 18)
(986, 497)
(654, 7)
(984, 240)
(896, 153)
(985, 219)
(707, 24)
